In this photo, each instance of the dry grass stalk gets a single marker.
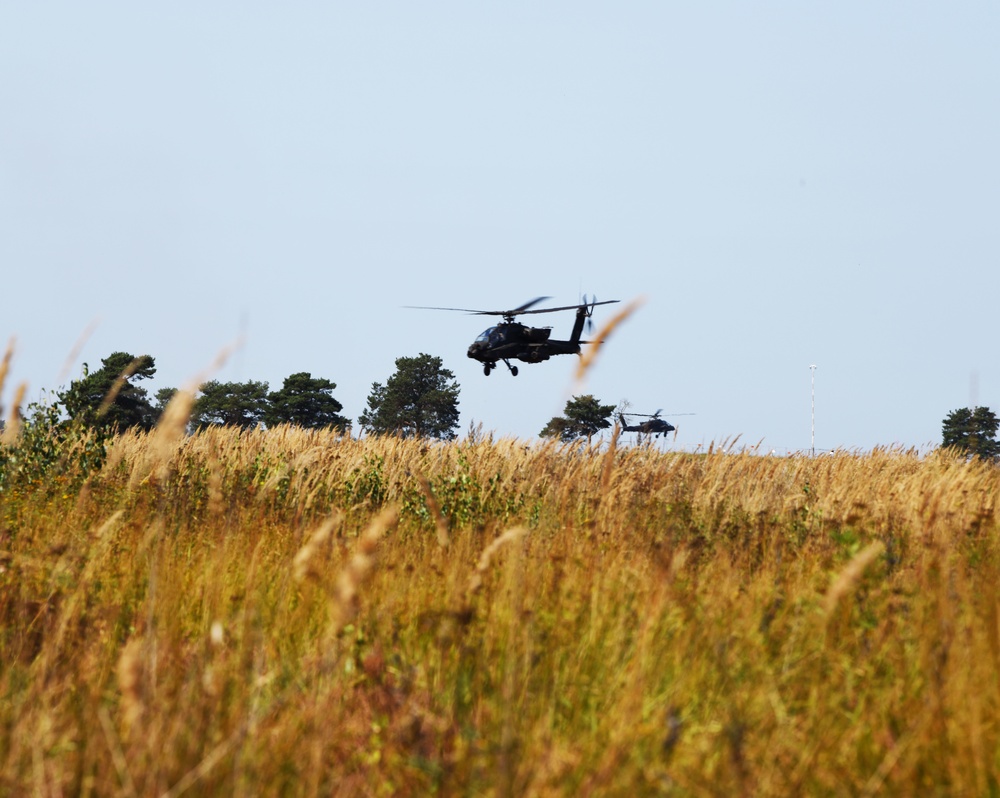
(589, 354)
(113, 520)
(849, 575)
(117, 386)
(608, 467)
(10, 432)
(511, 535)
(71, 603)
(117, 755)
(440, 522)
(5, 367)
(74, 353)
(12, 429)
(129, 670)
(170, 430)
(205, 766)
(172, 426)
(359, 567)
(216, 497)
(305, 564)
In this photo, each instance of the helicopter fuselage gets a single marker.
(651, 428)
(515, 341)
(655, 426)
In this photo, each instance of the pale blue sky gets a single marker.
(786, 183)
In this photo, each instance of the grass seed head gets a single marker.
(129, 671)
(12, 429)
(359, 567)
(440, 522)
(167, 435)
(849, 575)
(118, 384)
(5, 367)
(308, 558)
(511, 535)
(589, 355)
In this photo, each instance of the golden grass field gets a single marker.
(288, 612)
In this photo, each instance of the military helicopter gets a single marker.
(655, 425)
(511, 340)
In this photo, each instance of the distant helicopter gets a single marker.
(512, 340)
(655, 425)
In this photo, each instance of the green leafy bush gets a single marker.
(49, 453)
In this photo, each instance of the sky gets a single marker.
(781, 184)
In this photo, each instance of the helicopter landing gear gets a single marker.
(513, 369)
(488, 368)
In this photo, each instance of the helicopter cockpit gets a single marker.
(493, 336)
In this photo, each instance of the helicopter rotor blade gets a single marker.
(573, 307)
(522, 309)
(457, 310)
(657, 414)
(525, 308)
(528, 304)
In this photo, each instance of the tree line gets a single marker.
(111, 397)
(420, 399)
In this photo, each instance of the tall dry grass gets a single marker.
(296, 612)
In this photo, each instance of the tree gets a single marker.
(163, 397)
(420, 400)
(583, 417)
(973, 432)
(108, 398)
(231, 404)
(305, 401)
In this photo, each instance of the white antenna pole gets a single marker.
(812, 370)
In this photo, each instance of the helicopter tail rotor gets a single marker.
(588, 305)
(584, 312)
